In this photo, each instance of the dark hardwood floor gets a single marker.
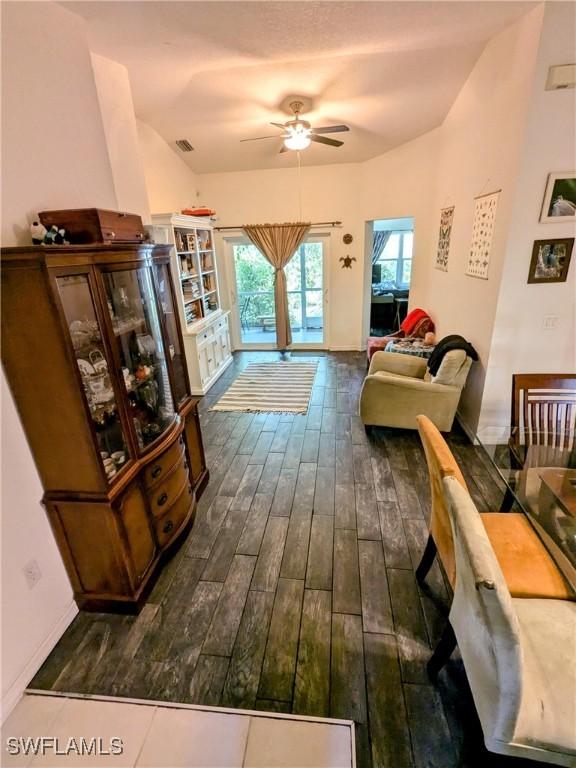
(295, 590)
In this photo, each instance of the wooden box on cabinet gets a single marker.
(95, 225)
(93, 353)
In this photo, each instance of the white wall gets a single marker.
(479, 152)
(477, 149)
(55, 156)
(329, 193)
(170, 182)
(520, 344)
(117, 110)
(397, 184)
(53, 145)
(33, 619)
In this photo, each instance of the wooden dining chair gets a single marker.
(528, 568)
(543, 411)
(519, 655)
(542, 426)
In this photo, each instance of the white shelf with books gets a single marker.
(195, 271)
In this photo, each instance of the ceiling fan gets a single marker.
(298, 133)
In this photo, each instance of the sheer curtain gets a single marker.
(278, 243)
(380, 238)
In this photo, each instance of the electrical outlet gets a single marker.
(550, 322)
(32, 573)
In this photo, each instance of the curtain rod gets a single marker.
(314, 224)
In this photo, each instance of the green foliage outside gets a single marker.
(255, 280)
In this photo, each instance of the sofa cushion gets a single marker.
(450, 367)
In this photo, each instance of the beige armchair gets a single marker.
(398, 388)
(519, 653)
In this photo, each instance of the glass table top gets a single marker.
(539, 472)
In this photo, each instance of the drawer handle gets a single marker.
(167, 527)
(162, 499)
(156, 471)
(111, 234)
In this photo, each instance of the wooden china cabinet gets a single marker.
(93, 352)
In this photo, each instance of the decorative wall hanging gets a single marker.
(550, 260)
(347, 261)
(446, 217)
(482, 234)
(347, 239)
(560, 198)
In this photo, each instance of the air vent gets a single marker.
(184, 145)
(561, 76)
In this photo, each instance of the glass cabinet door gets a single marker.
(136, 325)
(86, 337)
(171, 325)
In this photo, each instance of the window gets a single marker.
(396, 259)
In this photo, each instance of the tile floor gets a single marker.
(157, 735)
(295, 590)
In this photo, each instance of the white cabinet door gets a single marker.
(203, 362)
(211, 353)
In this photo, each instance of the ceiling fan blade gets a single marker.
(283, 149)
(331, 129)
(257, 138)
(324, 140)
(279, 125)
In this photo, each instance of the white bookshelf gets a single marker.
(195, 272)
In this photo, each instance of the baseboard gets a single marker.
(14, 693)
(469, 433)
(346, 348)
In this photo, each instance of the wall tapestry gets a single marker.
(482, 234)
(446, 216)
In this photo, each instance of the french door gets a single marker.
(252, 280)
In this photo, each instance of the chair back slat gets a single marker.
(544, 408)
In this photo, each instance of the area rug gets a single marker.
(282, 386)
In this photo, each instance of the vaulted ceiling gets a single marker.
(218, 72)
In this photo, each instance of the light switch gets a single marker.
(550, 322)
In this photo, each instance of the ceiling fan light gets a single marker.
(298, 140)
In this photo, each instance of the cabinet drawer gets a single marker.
(170, 522)
(205, 335)
(163, 495)
(157, 470)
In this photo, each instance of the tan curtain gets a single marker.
(278, 243)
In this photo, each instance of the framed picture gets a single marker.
(446, 217)
(550, 260)
(482, 234)
(560, 198)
